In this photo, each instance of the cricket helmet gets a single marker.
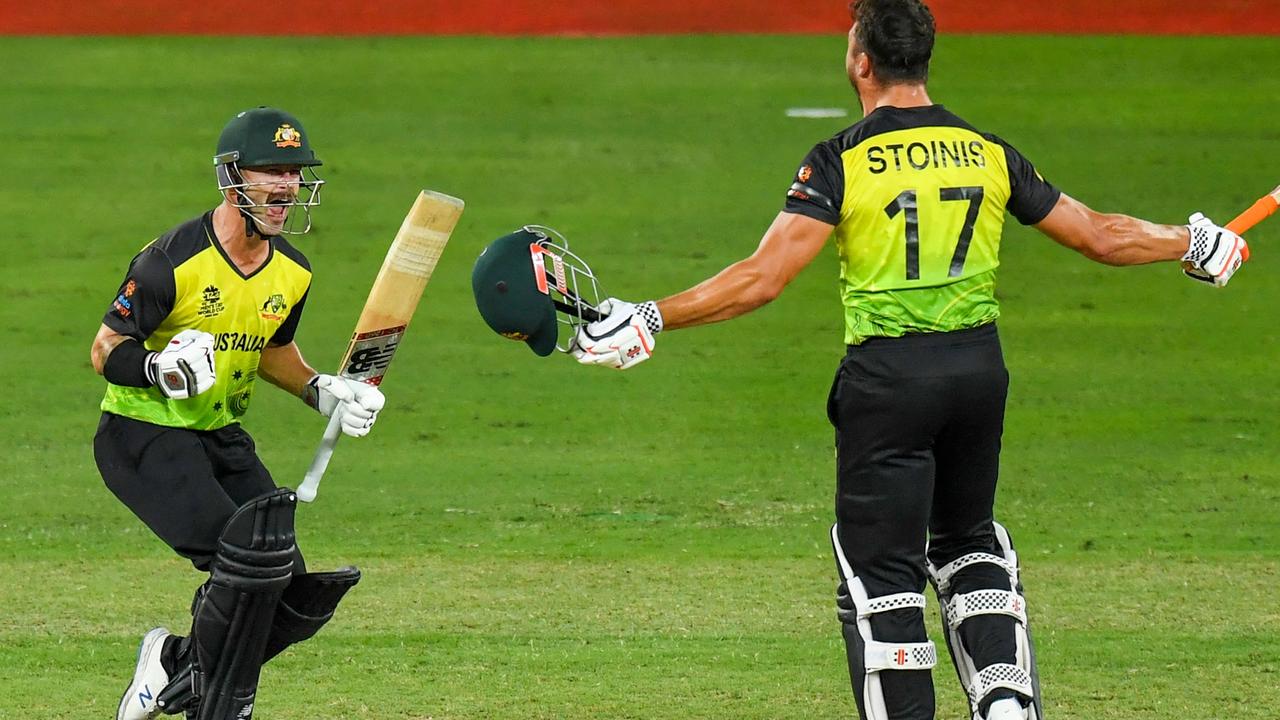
(260, 137)
(528, 285)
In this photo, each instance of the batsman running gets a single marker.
(915, 200)
(204, 312)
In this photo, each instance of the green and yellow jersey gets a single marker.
(918, 198)
(184, 280)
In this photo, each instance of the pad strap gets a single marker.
(900, 656)
(885, 603)
(896, 656)
(942, 577)
(1000, 675)
(985, 602)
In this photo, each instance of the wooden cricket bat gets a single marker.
(391, 304)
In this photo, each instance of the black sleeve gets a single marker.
(1031, 198)
(145, 298)
(818, 189)
(284, 333)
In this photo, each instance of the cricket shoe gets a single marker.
(149, 678)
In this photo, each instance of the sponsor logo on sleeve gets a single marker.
(122, 304)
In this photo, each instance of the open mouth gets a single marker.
(278, 207)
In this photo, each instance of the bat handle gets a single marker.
(1260, 211)
(311, 482)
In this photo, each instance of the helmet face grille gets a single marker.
(567, 279)
(305, 194)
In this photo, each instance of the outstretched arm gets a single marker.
(1113, 239)
(624, 338)
(791, 243)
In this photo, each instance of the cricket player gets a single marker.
(204, 312)
(915, 199)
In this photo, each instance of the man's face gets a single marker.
(272, 189)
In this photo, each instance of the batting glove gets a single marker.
(623, 339)
(184, 368)
(357, 403)
(1215, 253)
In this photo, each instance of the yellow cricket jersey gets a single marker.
(918, 198)
(184, 280)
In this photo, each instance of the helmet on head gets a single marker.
(523, 279)
(264, 137)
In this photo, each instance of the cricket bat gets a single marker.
(1258, 212)
(389, 308)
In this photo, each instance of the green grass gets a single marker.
(545, 541)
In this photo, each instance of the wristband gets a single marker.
(129, 364)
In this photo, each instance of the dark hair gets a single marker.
(898, 37)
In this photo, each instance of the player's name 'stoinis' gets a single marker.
(922, 156)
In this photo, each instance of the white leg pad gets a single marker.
(980, 682)
(880, 656)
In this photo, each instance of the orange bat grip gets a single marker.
(1260, 211)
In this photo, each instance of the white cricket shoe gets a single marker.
(1006, 709)
(149, 678)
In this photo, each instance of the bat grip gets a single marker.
(311, 482)
(1260, 211)
(1254, 215)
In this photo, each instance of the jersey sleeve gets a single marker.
(818, 187)
(286, 331)
(145, 298)
(1031, 197)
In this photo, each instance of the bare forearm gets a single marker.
(103, 344)
(790, 243)
(737, 290)
(1125, 240)
(1113, 239)
(284, 367)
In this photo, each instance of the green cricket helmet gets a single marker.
(262, 137)
(528, 285)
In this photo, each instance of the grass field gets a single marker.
(544, 541)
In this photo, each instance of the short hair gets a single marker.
(898, 37)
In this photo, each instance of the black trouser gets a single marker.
(183, 484)
(918, 423)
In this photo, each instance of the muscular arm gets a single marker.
(103, 343)
(1112, 239)
(790, 244)
(283, 366)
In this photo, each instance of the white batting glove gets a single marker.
(623, 339)
(1215, 253)
(357, 403)
(184, 368)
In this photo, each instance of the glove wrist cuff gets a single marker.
(311, 394)
(651, 314)
(1200, 240)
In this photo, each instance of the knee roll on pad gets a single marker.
(1021, 676)
(232, 619)
(306, 605)
(855, 611)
